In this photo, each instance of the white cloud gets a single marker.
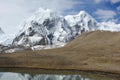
(98, 1)
(114, 1)
(12, 12)
(56, 5)
(105, 14)
(118, 8)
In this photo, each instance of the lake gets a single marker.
(39, 74)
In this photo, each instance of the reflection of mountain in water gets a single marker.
(18, 76)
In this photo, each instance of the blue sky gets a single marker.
(13, 12)
(101, 10)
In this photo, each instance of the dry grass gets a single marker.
(97, 51)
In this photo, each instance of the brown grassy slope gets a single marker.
(98, 40)
(98, 51)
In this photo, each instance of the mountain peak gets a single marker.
(39, 17)
(1, 31)
(46, 28)
(82, 12)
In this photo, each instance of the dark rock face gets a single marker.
(49, 23)
(50, 36)
(43, 42)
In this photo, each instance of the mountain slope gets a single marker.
(46, 27)
(6, 39)
(83, 20)
(93, 51)
(97, 40)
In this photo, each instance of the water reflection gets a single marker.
(18, 76)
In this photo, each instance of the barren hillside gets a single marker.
(96, 51)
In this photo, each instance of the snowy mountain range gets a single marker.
(48, 29)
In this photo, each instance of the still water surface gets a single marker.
(38, 76)
(18, 76)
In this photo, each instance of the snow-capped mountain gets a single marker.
(83, 20)
(46, 27)
(6, 39)
(6, 42)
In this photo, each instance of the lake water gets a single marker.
(35, 75)
(18, 76)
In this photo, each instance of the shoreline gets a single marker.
(59, 71)
(85, 53)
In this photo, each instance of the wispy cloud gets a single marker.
(105, 14)
(118, 10)
(56, 5)
(12, 12)
(98, 1)
(114, 1)
(111, 1)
